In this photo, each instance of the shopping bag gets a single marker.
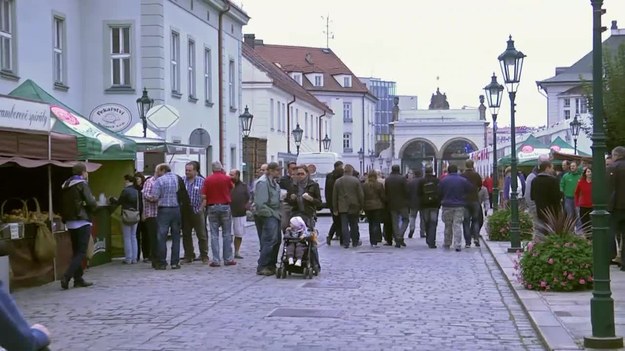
(45, 243)
(90, 248)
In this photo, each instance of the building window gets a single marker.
(347, 142)
(347, 82)
(59, 50)
(208, 91)
(6, 36)
(231, 83)
(120, 56)
(191, 69)
(583, 105)
(271, 116)
(283, 118)
(347, 112)
(567, 102)
(297, 77)
(567, 114)
(175, 62)
(306, 132)
(318, 80)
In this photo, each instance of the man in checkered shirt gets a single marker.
(193, 218)
(165, 191)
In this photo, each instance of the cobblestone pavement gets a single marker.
(412, 298)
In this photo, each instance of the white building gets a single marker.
(271, 94)
(97, 56)
(326, 77)
(565, 93)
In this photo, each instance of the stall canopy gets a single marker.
(30, 163)
(94, 142)
(528, 152)
(32, 145)
(562, 147)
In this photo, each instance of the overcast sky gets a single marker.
(413, 42)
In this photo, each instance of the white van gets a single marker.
(324, 164)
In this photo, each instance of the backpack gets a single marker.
(430, 192)
(184, 201)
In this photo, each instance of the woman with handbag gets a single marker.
(129, 202)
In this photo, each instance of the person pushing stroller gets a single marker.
(296, 244)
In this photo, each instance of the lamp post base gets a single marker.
(592, 342)
(515, 249)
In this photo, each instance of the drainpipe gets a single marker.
(320, 117)
(363, 122)
(220, 60)
(288, 125)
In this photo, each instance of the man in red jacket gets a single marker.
(216, 191)
(488, 183)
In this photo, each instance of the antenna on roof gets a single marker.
(329, 35)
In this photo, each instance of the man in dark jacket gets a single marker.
(77, 206)
(545, 191)
(396, 189)
(430, 203)
(240, 201)
(331, 178)
(616, 196)
(473, 214)
(414, 204)
(453, 190)
(347, 201)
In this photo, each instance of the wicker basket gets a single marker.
(14, 218)
(36, 216)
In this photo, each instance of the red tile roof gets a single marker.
(320, 60)
(281, 79)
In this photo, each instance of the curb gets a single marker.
(554, 335)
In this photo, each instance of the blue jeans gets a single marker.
(269, 242)
(430, 221)
(571, 210)
(472, 222)
(16, 332)
(220, 216)
(80, 241)
(168, 218)
(129, 232)
(374, 217)
(400, 219)
(349, 228)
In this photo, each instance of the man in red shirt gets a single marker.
(488, 183)
(216, 191)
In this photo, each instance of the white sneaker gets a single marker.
(291, 260)
(298, 263)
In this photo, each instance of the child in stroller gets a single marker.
(297, 255)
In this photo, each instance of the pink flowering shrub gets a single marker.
(558, 263)
(498, 226)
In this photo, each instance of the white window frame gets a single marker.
(567, 102)
(347, 82)
(175, 62)
(7, 31)
(208, 75)
(191, 68)
(297, 77)
(567, 112)
(347, 141)
(347, 112)
(271, 116)
(231, 84)
(59, 50)
(318, 80)
(124, 56)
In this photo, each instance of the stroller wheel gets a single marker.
(279, 272)
(283, 273)
(306, 270)
(310, 273)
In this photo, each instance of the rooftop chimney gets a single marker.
(249, 39)
(560, 70)
(615, 29)
(614, 25)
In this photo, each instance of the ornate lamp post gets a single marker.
(494, 94)
(326, 143)
(144, 104)
(575, 126)
(372, 158)
(361, 158)
(511, 62)
(380, 161)
(297, 136)
(246, 125)
(601, 304)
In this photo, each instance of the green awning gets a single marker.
(563, 147)
(94, 142)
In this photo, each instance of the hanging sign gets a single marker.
(84, 127)
(24, 115)
(114, 117)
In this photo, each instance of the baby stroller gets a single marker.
(307, 266)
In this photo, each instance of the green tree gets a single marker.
(613, 97)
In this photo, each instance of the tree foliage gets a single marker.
(613, 97)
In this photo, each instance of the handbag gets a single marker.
(131, 216)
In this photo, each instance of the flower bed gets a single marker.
(499, 225)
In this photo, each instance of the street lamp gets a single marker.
(326, 143)
(372, 158)
(144, 104)
(380, 161)
(361, 158)
(601, 304)
(575, 127)
(297, 136)
(494, 93)
(246, 125)
(511, 62)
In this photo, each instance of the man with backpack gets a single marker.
(430, 203)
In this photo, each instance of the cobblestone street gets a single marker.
(412, 298)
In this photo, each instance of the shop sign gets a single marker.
(85, 127)
(23, 114)
(114, 117)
